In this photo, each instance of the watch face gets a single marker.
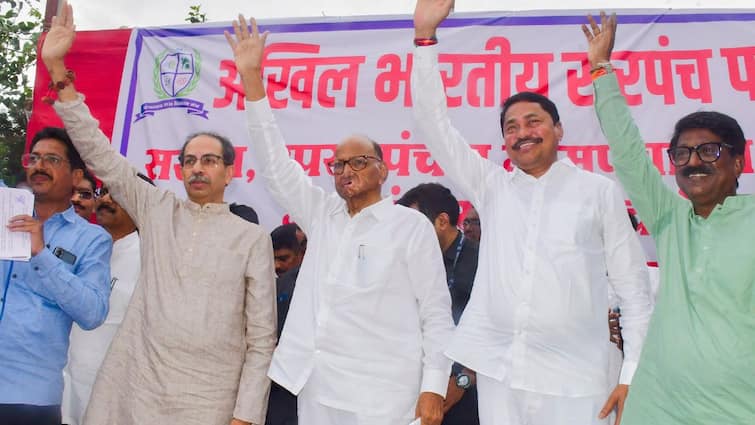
(463, 381)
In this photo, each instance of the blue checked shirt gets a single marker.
(39, 300)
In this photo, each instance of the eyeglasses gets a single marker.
(707, 152)
(208, 160)
(471, 222)
(84, 194)
(101, 191)
(31, 159)
(356, 163)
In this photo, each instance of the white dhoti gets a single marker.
(499, 404)
(312, 412)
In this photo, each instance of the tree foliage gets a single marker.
(196, 16)
(20, 26)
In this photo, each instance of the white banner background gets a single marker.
(674, 44)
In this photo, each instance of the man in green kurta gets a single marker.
(698, 362)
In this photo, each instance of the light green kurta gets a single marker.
(698, 362)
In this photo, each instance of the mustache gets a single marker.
(106, 207)
(520, 142)
(199, 178)
(699, 169)
(40, 173)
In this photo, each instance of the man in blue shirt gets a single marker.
(67, 279)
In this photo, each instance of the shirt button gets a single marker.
(36, 268)
(14, 276)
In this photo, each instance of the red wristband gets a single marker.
(426, 41)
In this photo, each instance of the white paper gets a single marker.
(13, 202)
(417, 421)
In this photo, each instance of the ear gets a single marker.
(229, 174)
(442, 221)
(739, 164)
(383, 172)
(559, 129)
(76, 175)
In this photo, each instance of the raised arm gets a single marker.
(639, 177)
(459, 161)
(93, 146)
(286, 179)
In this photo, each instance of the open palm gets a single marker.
(60, 37)
(248, 48)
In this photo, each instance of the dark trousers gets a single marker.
(27, 414)
(465, 411)
(281, 408)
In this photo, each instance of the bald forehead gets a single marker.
(355, 145)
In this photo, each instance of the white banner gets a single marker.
(329, 78)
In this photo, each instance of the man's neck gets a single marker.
(120, 232)
(45, 209)
(355, 205)
(447, 238)
(704, 210)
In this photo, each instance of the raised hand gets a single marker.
(60, 37)
(428, 14)
(248, 48)
(600, 38)
(248, 51)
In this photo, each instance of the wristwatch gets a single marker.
(463, 381)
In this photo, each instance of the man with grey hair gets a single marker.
(197, 338)
(370, 316)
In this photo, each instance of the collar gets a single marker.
(210, 208)
(68, 215)
(381, 209)
(730, 204)
(450, 253)
(562, 164)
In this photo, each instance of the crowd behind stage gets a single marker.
(138, 306)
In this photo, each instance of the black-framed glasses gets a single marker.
(707, 152)
(101, 191)
(29, 160)
(85, 194)
(208, 160)
(471, 222)
(356, 163)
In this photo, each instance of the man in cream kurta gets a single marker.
(363, 340)
(197, 338)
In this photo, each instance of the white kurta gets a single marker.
(371, 314)
(87, 349)
(550, 249)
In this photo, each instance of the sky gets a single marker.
(106, 14)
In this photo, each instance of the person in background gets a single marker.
(460, 254)
(471, 225)
(287, 250)
(83, 199)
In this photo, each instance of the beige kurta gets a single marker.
(198, 335)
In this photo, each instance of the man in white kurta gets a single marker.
(555, 238)
(363, 341)
(197, 338)
(87, 349)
